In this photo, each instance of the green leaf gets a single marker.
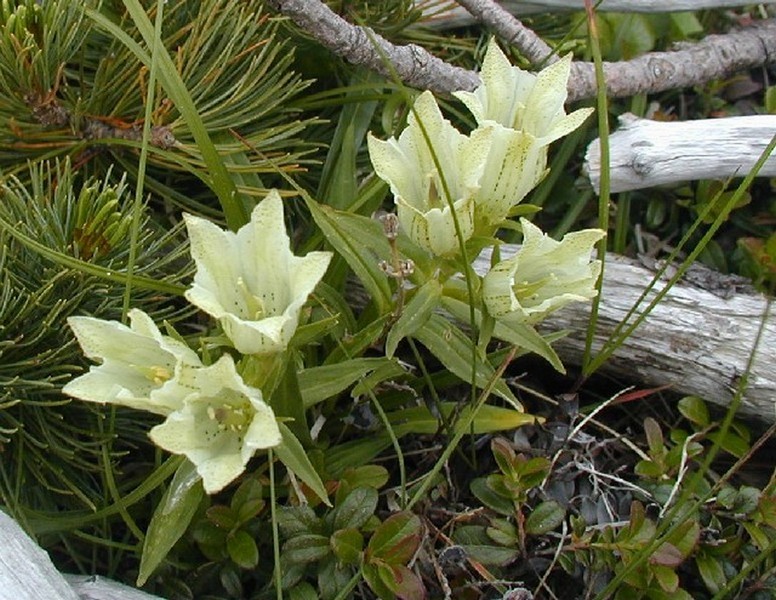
(296, 520)
(404, 584)
(340, 175)
(320, 383)
(335, 580)
(396, 540)
(371, 574)
(503, 532)
(488, 419)
(303, 591)
(306, 548)
(731, 443)
(545, 517)
(293, 455)
(454, 350)
(712, 573)
(528, 339)
(286, 400)
(694, 410)
(347, 545)
(666, 578)
(242, 549)
(249, 490)
(685, 24)
(375, 476)
(389, 370)
(415, 314)
(488, 496)
(222, 516)
(521, 335)
(171, 518)
(358, 506)
(362, 243)
(490, 555)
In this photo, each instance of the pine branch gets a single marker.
(713, 57)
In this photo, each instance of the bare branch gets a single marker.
(362, 46)
(457, 16)
(510, 29)
(713, 57)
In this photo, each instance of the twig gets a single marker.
(414, 65)
(510, 29)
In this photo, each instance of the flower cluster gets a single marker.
(249, 281)
(449, 187)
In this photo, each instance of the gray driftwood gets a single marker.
(646, 153)
(697, 340)
(27, 573)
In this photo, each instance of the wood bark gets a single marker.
(646, 153)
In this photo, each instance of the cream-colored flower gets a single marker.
(408, 165)
(515, 164)
(543, 276)
(140, 368)
(250, 280)
(219, 426)
(521, 100)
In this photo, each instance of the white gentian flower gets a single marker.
(250, 280)
(543, 276)
(521, 100)
(408, 165)
(515, 164)
(219, 426)
(141, 368)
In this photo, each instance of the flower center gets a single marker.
(252, 304)
(156, 374)
(527, 292)
(231, 417)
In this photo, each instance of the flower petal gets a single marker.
(140, 368)
(251, 281)
(220, 425)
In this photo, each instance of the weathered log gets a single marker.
(27, 573)
(697, 341)
(646, 153)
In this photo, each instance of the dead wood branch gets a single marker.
(714, 57)
(646, 153)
